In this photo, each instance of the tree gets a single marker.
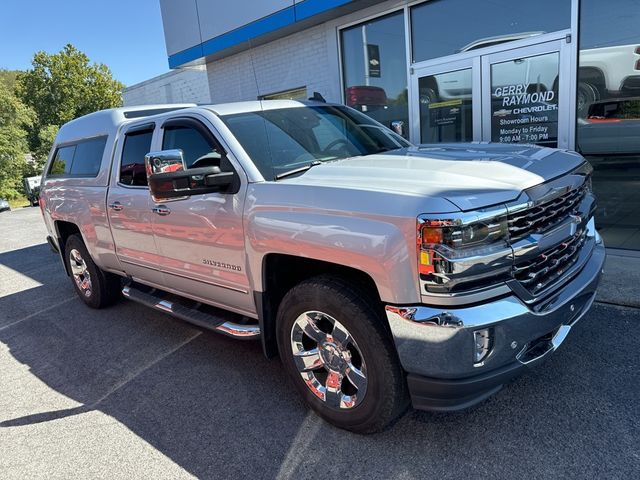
(8, 78)
(46, 137)
(61, 87)
(15, 119)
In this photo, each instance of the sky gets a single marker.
(127, 36)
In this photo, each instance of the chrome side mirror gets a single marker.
(166, 161)
(398, 127)
(169, 178)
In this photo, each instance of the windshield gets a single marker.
(282, 140)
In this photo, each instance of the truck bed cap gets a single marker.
(106, 122)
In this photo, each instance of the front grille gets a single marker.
(540, 217)
(544, 270)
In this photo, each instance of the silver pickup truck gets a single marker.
(381, 273)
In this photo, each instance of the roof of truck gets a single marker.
(258, 105)
(106, 122)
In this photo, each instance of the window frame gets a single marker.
(200, 127)
(150, 127)
(376, 16)
(405, 10)
(75, 143)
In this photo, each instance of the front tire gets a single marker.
(340, 358)
(587, 94)
(96, 288)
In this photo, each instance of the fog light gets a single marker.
(482, 342)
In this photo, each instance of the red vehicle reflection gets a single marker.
(366, 98)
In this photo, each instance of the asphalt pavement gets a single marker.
(127, 392)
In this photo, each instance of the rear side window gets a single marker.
(61, 165)
(88, 157)
(81, 159)
(136, 146)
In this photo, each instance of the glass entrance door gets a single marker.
(515, 95)
(447, 99)
(524, 96)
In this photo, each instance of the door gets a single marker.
(525, 96)
(447, 102)
(497, 94)
(201, 238)
(129, 207)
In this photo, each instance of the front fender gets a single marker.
(384, 249)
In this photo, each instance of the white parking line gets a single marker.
(141, 370)
(31, 315)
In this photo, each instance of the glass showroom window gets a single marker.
(608, 111)
(446, 27)
(374, 64)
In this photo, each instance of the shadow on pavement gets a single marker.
(218, 408)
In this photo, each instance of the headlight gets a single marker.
(455, 251)
(455, 235)
(586, 170)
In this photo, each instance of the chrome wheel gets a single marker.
(329, 360)
(80, 273)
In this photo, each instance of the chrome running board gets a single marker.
(214, 319)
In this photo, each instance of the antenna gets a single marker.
(255, 74)
(266, 131)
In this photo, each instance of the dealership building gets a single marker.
(560, 73)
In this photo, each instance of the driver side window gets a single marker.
(198, 151)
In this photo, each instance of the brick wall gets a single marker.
(189, 85)
(299, 60)
(307, 58)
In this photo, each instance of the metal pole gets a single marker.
(365, 50)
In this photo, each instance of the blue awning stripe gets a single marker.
(288, 16)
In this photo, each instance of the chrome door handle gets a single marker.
(161, 210)
(117, 206)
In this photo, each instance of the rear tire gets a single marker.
(96, 288)
(348, 370)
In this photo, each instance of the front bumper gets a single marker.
(436, 345)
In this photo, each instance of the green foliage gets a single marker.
(34, 104)
(61, 87)
(15, 119)
(19, 202)
(8, 78)
(46, 137)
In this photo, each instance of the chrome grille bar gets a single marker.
(540, 217)
(537, 274)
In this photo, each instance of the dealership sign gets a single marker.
(446, 113)
(373, 62)
(523, 113)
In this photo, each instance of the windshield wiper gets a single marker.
(297, 170)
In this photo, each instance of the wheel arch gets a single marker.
(593, 76)
(281, 272)
(64, 230)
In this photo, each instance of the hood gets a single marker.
(470, 176)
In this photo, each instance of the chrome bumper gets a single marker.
(438, 342)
